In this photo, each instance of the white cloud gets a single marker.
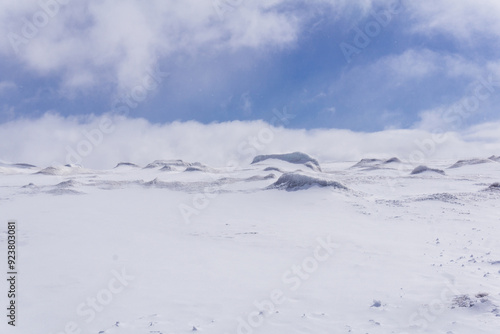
(117, 41)
(479, 97)
(54, 138)
(383, 79)
(412, 64)
(421, 63)
(467, 20)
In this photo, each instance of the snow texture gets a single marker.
(294, 182)
(294, 158)
(424, 169)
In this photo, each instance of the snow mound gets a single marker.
(156, 183)
(172, 163)
(273, 169)
(443, 197)
(424, 169)
(260, 178)
(167, 169)
(375, 163)
(23, 165)
(64, 191)
(9, 168)
(495, 186)
(294, 158)
(67, 184)
(16, 165)
(126, 164)
(392, 160)
(293, 182)
(60, 170)
(495, 158)
(367, 163)
(469, 162)
(195, 168)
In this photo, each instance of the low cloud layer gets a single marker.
(104, 141)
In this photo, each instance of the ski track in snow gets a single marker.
(416, 252)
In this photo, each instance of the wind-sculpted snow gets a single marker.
(7, 168)
(424, 169)
(273, 169)
(201, 168)
(67, 184)
(443, 197)
(495, 186)
(64, 191)
(214, 186)
(167, 169)
(367, 163)
(462, 163)
(371, 163)
(126, 164)
(173, 163)
(64, 170)
(392, 160)
(294, 158)
(294, 182)
(17, 165)
(260, 178)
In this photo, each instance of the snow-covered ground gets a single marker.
(275, 247)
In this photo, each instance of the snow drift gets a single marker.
(424, 169)
(293, 182)
(294, 158)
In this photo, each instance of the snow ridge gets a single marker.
(294, 182)
(294, 158)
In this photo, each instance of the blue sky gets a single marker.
(256, 57)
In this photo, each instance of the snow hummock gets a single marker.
(495, 186)
(423, 169)
(294, 158)
(392, 160)
(461, 163)
(196, 168)
(294, 181)
(172, 163)
(374, 163)
(126, 164)
(61, 170)
(273, 169)
(23, 165)
(260, 178)
(367, 163)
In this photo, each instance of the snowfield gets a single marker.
(284, 245)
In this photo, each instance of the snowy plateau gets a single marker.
(285, 244)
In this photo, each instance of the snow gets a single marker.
(126, 164)
(172, 163)
(495, 186)
(470, 162)
(293, 182)
(294, 158)
(376, 163)
(424, 169)
(225, 251)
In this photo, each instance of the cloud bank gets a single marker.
(102, 142)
